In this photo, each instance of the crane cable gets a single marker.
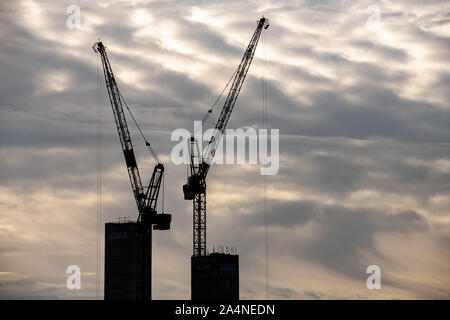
(208, 113)
(265, 178)
(99, 185)
(210, 110)
(147, 143)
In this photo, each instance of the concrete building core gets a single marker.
(121, 261)
(215, 277)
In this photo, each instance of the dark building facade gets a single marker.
(122, 260)
(215, 277)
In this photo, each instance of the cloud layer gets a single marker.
(363, 112)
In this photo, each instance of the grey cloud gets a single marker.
(341, 233)
(384, 52)
(339, 135)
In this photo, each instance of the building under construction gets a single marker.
(121, 261)
(215, 277)
(128, 245)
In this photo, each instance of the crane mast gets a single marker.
(146, 200)
(195, 189)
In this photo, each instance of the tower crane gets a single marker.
(195, 188)
(146, 198)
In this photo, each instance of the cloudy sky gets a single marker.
(363, 113)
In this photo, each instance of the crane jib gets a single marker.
(148, 217)
(147, 201)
